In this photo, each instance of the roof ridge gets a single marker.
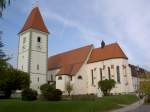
(70, 50)
(107, 45)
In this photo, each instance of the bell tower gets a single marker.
(33, 49)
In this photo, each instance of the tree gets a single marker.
(68, 87)
(50, 93)
(3, 4)
(3, 57)
(11, 80)
(145, 88)
(106, 86)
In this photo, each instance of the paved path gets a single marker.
(142, 108)
(133, 107)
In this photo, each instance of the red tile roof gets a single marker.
(69, 62)
(108, 52)
(35, 21)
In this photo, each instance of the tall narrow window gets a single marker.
(118, 74)
(101, 74)
(37, 67)
(38, 79)
(71, 78)
(51, 77)
(92, 77)
(39, 39)
(109, 75)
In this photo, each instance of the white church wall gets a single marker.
(130, 80)
(38, 62)
(136, 83)
(43, 44)
(120, 87)
(39, 58)
(60, 83)
(23, 62)
(52, 75)
(37, 80)
(24, 40)
(33, 57)
(80, 86)
(23, 53)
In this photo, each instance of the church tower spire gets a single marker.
(33, 49)
(35, 21)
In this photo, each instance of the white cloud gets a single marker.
(124, 21)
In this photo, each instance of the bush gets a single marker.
(147, 99)
(106, 86)
(50, 93)
(68, 87)
(57, 94)
(29, 94)
(46, 89)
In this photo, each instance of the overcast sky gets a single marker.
(76, 23)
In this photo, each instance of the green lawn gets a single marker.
(99, 105)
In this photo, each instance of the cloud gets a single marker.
(124, 21)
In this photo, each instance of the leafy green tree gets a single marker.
(106, 86)
(11, 80)
(68, 88)
(3, 4)
(3, 57)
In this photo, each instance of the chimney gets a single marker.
(102, 44)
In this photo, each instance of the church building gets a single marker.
(82, 67)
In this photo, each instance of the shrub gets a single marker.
(57, 94)
(68, 87)
(106, 86)
(145, 88)
(147, 99)
(29, 94)
(46, 89)
(50, 93)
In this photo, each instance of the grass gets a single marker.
(99, 105)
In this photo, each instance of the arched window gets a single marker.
(39, 39)
(109, 75)
(59, 78)
(79, 77)
(118, 74)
